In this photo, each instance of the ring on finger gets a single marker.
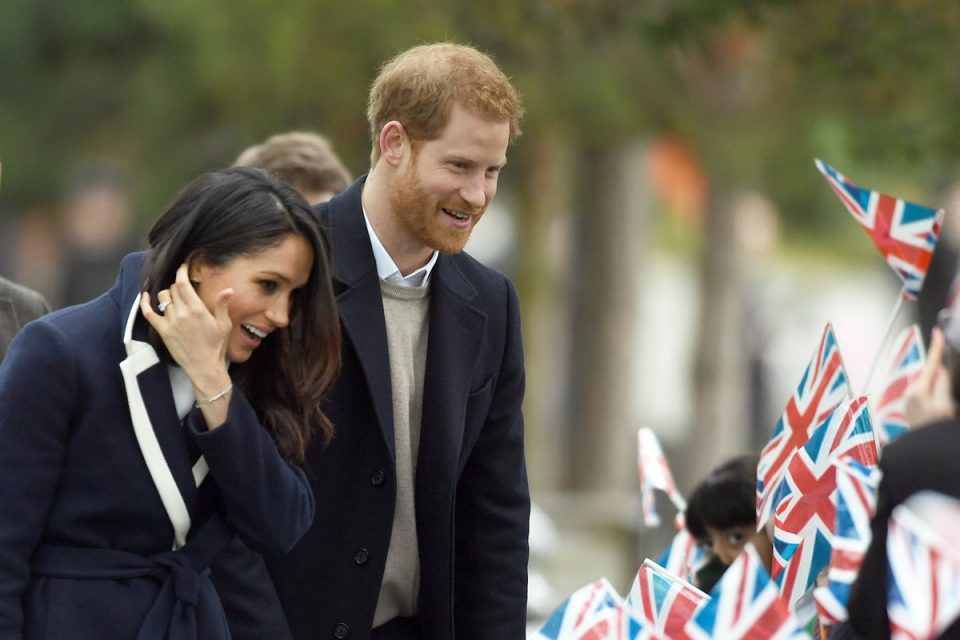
(163, 306)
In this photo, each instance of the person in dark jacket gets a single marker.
(924, 458)
(18, 306)
(141, 431)
(422, 499)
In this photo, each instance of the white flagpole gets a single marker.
(883, 341)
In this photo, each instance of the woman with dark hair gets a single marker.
(141, 431)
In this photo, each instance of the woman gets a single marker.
(140, 431)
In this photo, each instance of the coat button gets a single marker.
(341, 631)
(377, 478)
(361, 556)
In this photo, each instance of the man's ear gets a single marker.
(394, 143)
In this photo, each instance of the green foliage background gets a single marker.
(178, 87)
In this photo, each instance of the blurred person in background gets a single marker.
(303, 159)
(423, 506)
(306, 161)
(143, 430)
(98, 224)
(18, 306)
(924, 458)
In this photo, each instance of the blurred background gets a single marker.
(676, 252)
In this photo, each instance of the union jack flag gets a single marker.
(684, 557)
(744, 606)
(663, 601)
(856, 502)
(655, 474)
(824, 385)
(904, 233)
(905, 367)
(923, 559)
(805, 502)
(593, 612)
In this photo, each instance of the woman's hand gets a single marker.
(928, 398)
(195, 337)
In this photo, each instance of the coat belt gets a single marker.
(183, 575)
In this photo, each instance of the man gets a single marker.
(303, 159)
(422, 497)
(18, 306)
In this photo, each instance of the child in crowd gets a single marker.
(722, 515)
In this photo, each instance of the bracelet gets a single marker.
(214, 397)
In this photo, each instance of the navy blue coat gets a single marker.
(472, 499)
(100, 483)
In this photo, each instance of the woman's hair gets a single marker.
(726, 498)
(239, 212)
(419, 87)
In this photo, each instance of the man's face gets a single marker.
(442, 191)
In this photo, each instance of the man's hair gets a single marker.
(726, 498)
(303, 159)
(420, 86)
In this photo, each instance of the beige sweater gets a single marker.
(405, 310)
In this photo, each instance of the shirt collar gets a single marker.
(387, 268)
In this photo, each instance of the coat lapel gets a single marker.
(456, 335)
(360, 303)
(150, 401)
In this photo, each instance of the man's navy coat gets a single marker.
(472, 499)
(100, 483)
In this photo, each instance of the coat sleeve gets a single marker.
(493, 508)
(38, 389)
(267, 499)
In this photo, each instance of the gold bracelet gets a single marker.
(214, 397)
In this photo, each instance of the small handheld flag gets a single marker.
(655, 473)
(904, 233)
(923, 556)
(744, 606)
(905, 367)
(824, 385)
(805, 503)
(663, 601)
(593, 612)
(856, 501)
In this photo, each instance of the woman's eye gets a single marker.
(268, 285)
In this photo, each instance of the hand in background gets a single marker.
(929, 398)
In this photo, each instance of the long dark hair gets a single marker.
(238, 212)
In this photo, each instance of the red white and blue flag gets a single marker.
(655, 474)
(856, 503)
(744, 605)
(805, 503)
(593, 612)
(663, 601)
(905, 233)
(824, 385)
(905, 366)
(684, 557)
(923, 556)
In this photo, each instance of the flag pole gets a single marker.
(883, 341)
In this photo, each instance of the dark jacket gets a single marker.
(100, 482)
(18, 306)
(924, 458)
(472, 499)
